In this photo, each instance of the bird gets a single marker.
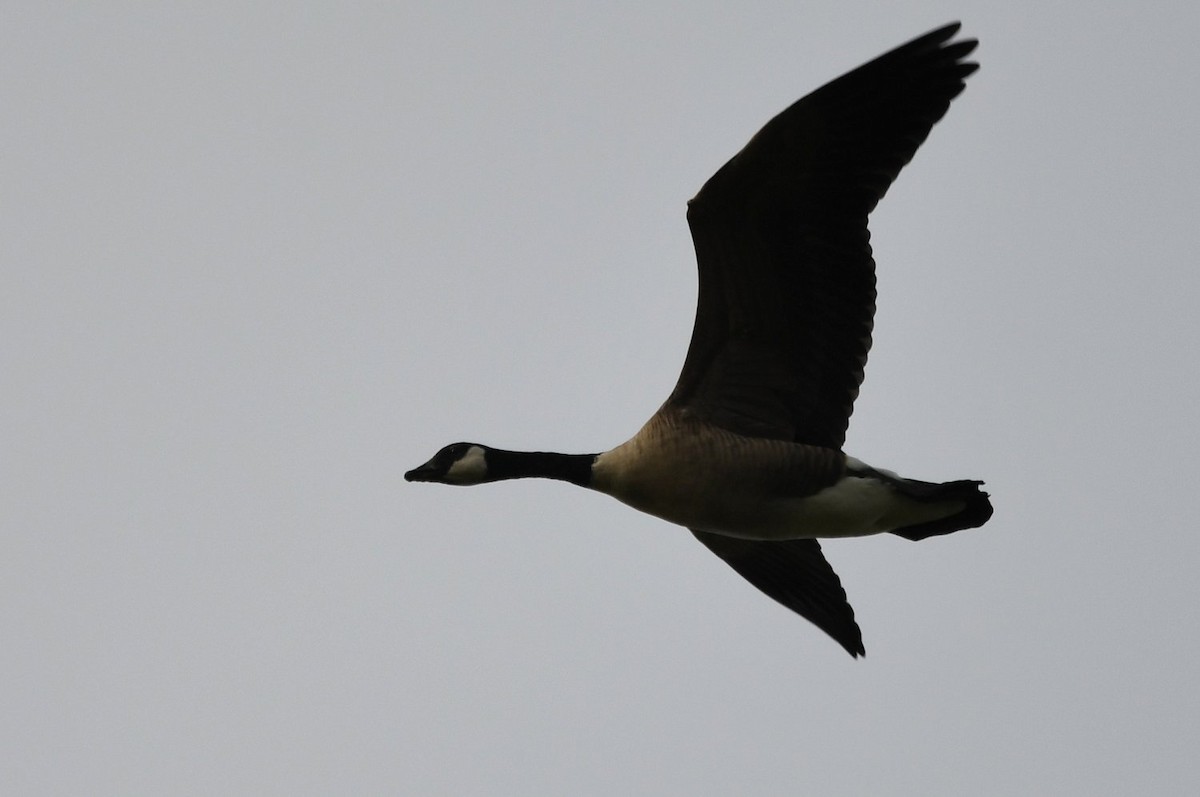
(746, 451)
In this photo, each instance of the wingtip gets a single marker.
(941, 38)
(949, 29)
(853, 646)
(945, 32)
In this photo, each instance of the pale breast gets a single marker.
(711, 479)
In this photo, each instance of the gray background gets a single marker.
(259, 260)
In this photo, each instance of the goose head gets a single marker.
(458, 463)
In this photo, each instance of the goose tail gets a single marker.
(975, 513)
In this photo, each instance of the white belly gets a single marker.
(853, 507)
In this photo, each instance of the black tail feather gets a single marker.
(976, 512)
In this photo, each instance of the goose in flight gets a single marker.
(746, 452)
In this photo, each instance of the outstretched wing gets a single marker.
(795, 573)
(787, 282)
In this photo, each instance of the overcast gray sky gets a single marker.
(258, 260)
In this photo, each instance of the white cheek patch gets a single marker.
(470, 468)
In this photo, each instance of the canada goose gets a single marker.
(746, 451)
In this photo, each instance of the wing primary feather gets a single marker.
(796, 574)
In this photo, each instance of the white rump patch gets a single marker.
(864, 504)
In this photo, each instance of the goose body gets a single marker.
(713, 480)
(746, 452)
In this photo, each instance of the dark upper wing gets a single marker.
(795, 573)
(787, 283)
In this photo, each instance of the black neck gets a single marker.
(574, 468)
